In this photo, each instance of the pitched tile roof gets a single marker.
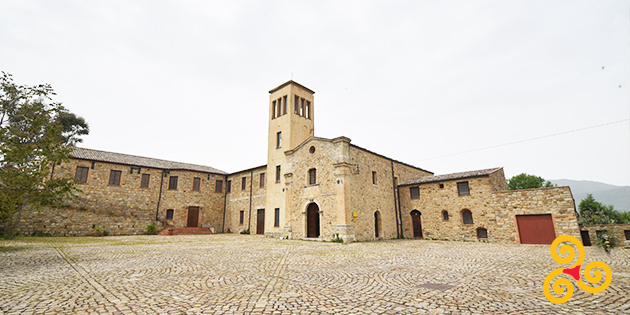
(454, 176)
(119, 158)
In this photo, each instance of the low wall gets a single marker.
(617, 230)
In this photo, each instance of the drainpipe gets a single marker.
(224, 204)
(157, 211)
(400, 214)
(395, 203)
(251, 183)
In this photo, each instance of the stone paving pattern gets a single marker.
(248, 274)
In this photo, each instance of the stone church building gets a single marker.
(310, 188)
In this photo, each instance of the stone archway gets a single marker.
(312, 221)
(416, 223)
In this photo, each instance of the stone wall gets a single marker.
(127, 208)
(492, 208)
(617, 230)
(238, 200)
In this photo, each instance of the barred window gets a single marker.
(312, 176)
(114, 178)
(482, 233)
(467, 216)
(82, 174)
(462, 188)
(414, 192)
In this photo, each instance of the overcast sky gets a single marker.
(417, 81)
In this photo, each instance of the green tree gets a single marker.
(33, 136)
(594, 212)
(525, 181)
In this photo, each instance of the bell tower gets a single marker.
(291, 117)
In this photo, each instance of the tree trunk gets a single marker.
(14, 222)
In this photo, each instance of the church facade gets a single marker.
(310, 188)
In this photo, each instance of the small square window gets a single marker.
(81, 174)
(462, 188)
(482, 233)
(414, 192)
(441, 186)
(218, 186)
(114, 178)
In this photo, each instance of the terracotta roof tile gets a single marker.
(119, 158)
(454, 176)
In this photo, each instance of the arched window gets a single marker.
(169, 214)
(444, 215)
(482, 233)
(467, 216)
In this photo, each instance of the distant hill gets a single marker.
(618, 196)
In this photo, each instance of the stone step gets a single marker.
(186, 231)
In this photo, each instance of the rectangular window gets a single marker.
(144, 182)
(243, 183)
(627, 233)
(279, 139)
(302, 107)
(172, 183)
(262, 180)
(273, 111)
(374, 177)
(218, 186)
(169, 214)
(241, 217)
(196, 184)
(114, 178)
(278, 174)
(279, 108)
(312, 176)
(81, 174)
(462, 188)
(308, 109)
(296, 105)
(132, 169)
(276, 217)
(284, 105)
(414, 192)
(229, 186)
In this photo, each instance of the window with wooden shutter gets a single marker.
(218, 186)
(414, 192)
(81, 174)
(172, 183)
(312, 176)
(144, 182)
(114, 178)
(462, 188)
(196, 184)
(467, 217)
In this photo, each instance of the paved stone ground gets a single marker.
(240, 274)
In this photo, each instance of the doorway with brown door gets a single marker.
(312, 221)
(260, 222)
(193, 217)
(416, 223)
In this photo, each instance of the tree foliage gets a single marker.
(525, 181)
(594, 212)
(35, 133)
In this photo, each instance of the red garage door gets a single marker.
(536, 229)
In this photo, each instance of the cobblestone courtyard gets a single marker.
(238, 274)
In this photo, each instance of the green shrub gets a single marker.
(607, 242)
(151, 228)
(336, 238)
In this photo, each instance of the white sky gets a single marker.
(188, 80)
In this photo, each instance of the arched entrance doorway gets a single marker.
(312, 221)
(416, 223)
(377, 224)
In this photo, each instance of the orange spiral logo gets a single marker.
(563, 286)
